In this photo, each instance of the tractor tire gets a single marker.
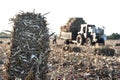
(66, 48)
(89, 41)
(102, 41)
(80, 40)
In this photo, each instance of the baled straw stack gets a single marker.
(29, 50)
(105, 51)
(73, 25)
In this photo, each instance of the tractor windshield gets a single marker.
(91, 28)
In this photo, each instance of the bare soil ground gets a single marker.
(4, 53)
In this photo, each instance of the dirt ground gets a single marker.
(79, 63)
(82, 62)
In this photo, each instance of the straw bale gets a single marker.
(30, 45)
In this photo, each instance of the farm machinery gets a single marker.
(82, 33)
(90, 35)
(77, 31)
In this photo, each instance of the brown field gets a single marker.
(84, 63)
(79, 63)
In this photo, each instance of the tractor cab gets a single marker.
(87, 30)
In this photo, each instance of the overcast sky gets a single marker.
(99, 12)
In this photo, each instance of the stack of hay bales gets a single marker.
(105, 51)
(73, 25)
(29, 50)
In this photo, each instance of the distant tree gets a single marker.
(114, 36)
(3, 33)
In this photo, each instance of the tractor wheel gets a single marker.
(89, 41)
(102, 41)
(79, 40)
(66, 48)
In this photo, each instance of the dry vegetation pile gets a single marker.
(105, 51)
(83, 65)
(29, 50)
(73, 25)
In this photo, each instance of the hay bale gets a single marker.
(105, 51)
(29, 50)
(73, 25)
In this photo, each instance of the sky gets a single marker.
(98, 12)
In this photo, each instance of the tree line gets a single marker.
(114, 36)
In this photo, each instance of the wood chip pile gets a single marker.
(30, 46)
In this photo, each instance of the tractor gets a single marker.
(90, 35)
